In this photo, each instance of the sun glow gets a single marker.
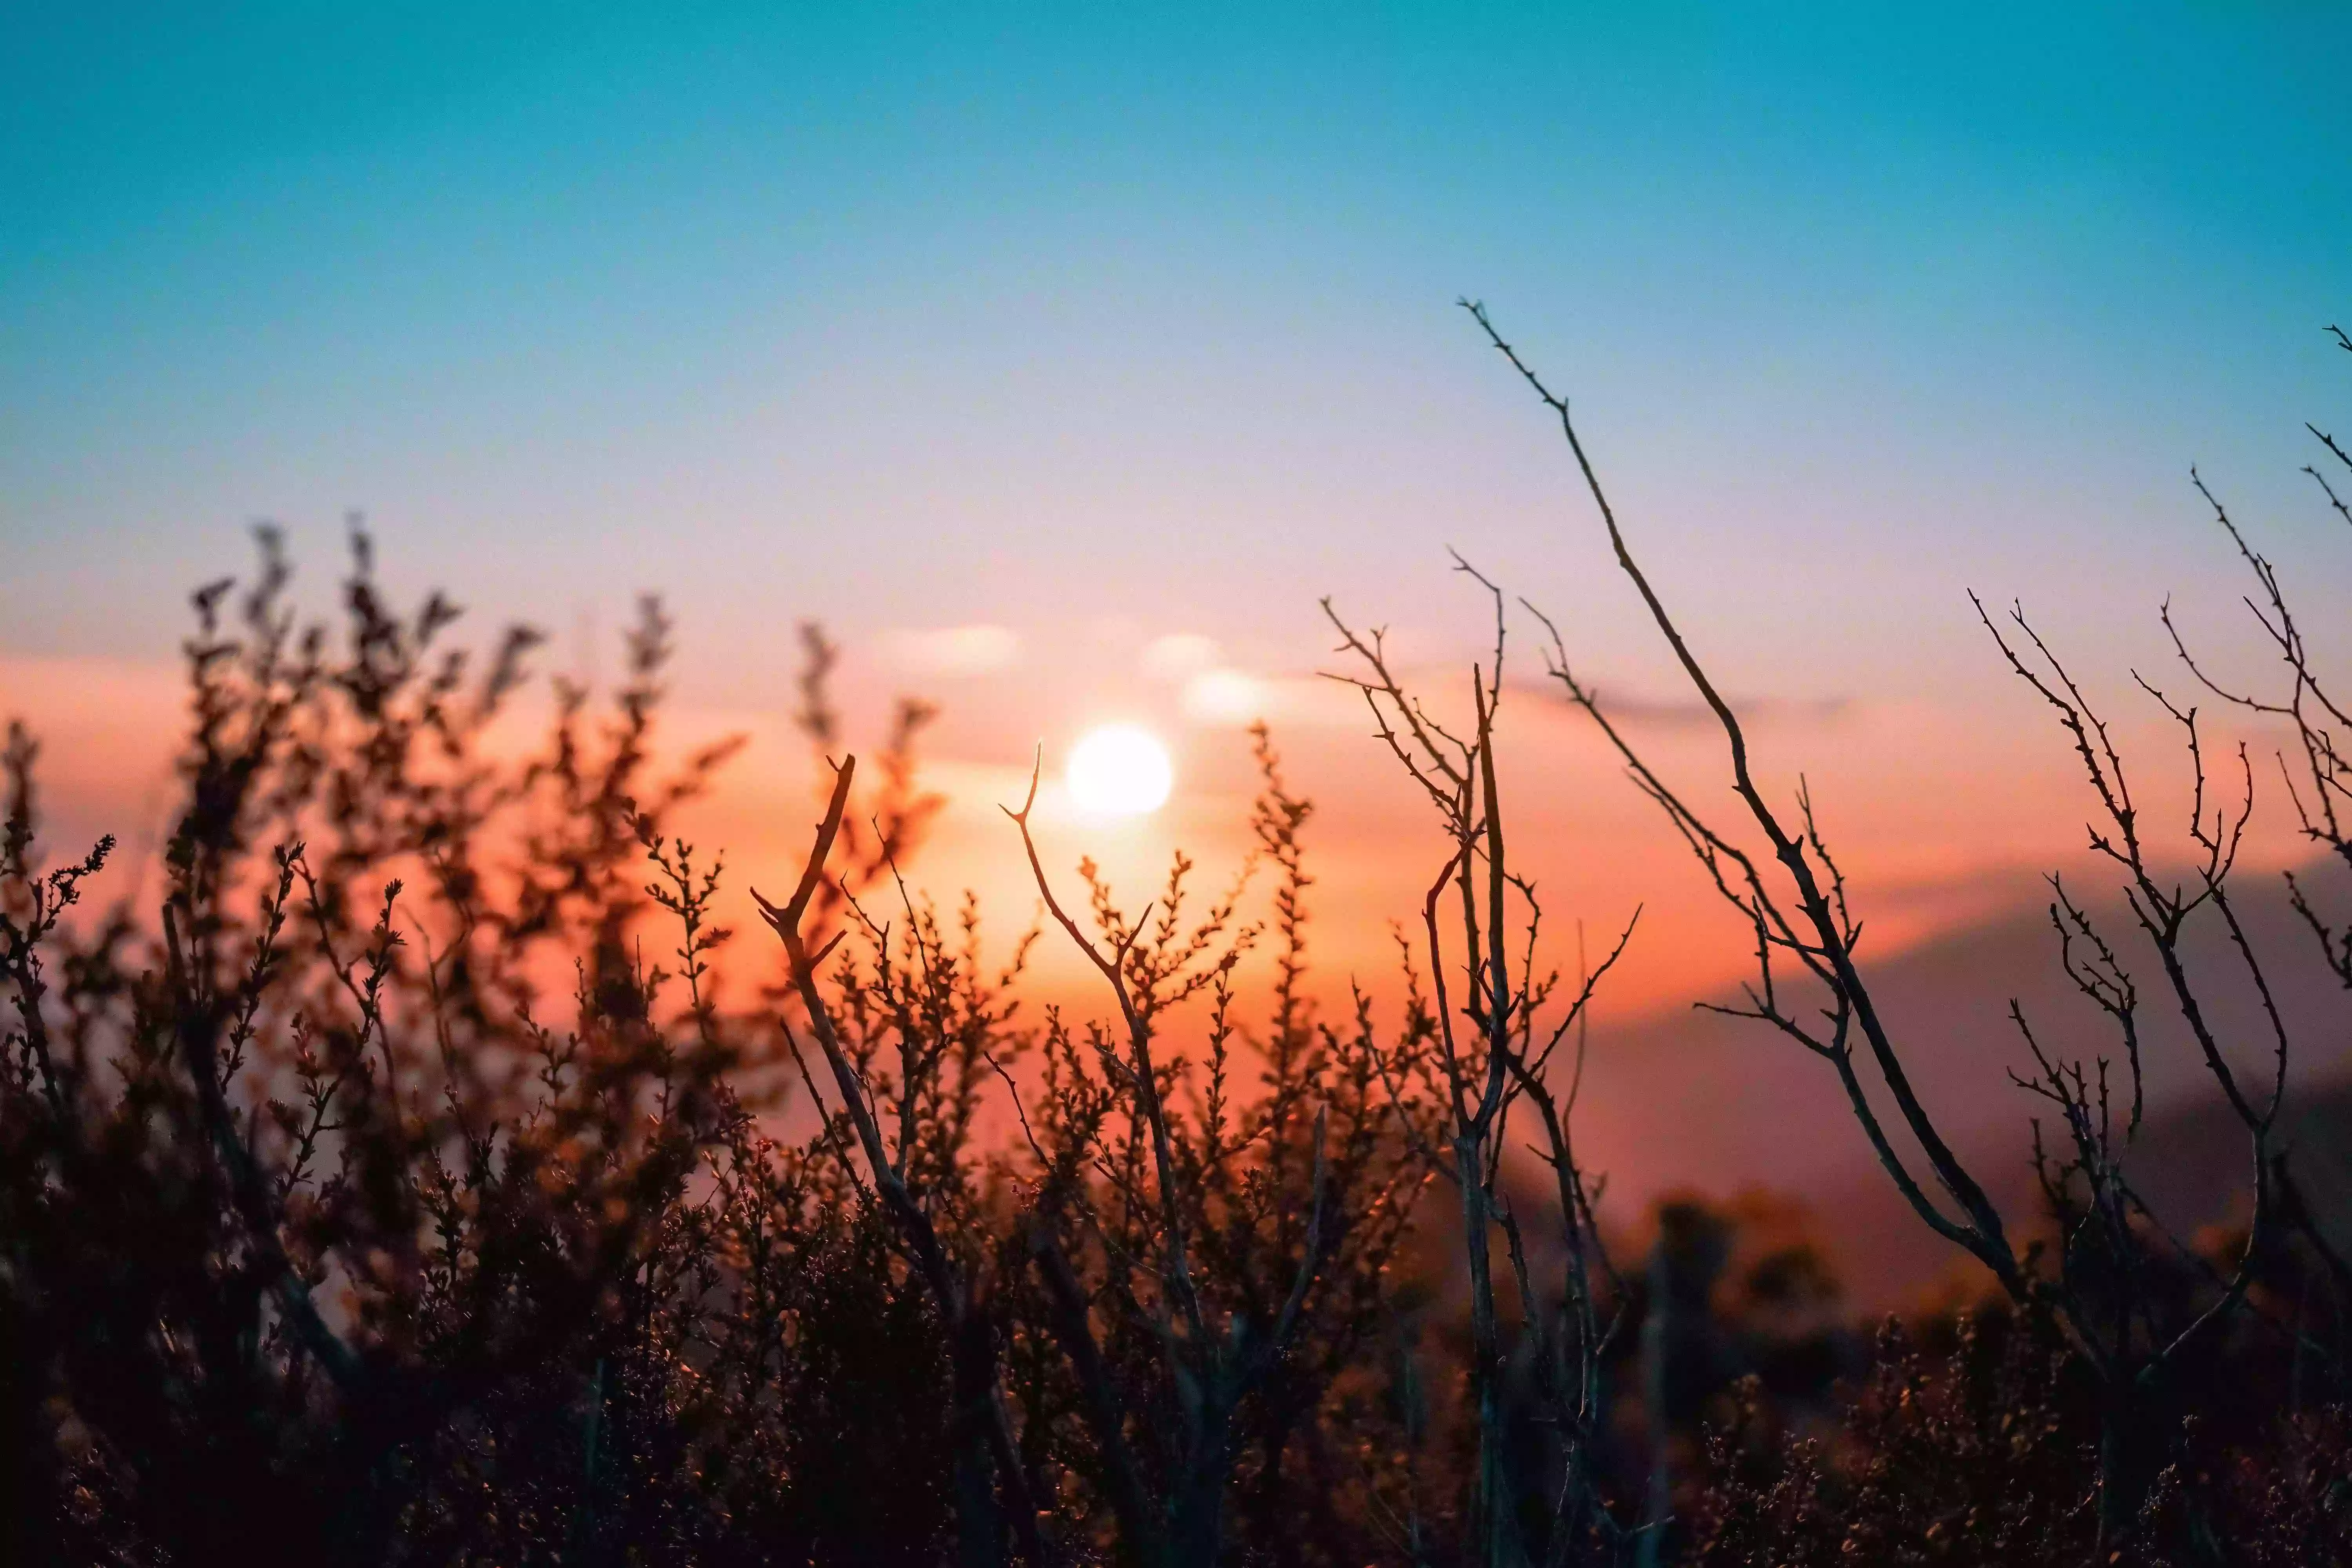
(1119, 770)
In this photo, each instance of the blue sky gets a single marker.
(1031, 314)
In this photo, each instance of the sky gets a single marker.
(1061, 359)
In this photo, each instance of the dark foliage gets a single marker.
(1976, 1454)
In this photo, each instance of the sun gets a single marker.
(1119, 770)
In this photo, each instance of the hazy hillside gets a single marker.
(1692, 1098)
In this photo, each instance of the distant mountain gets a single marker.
(1695, 1101)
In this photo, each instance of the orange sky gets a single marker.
(1944, 815)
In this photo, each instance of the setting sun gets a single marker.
(1119, 770)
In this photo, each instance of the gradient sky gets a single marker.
(1093, 328)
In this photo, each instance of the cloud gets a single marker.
(1179, 655)
(1643, 712)
(1634, 711)
(1225, 696)
(956, 650)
